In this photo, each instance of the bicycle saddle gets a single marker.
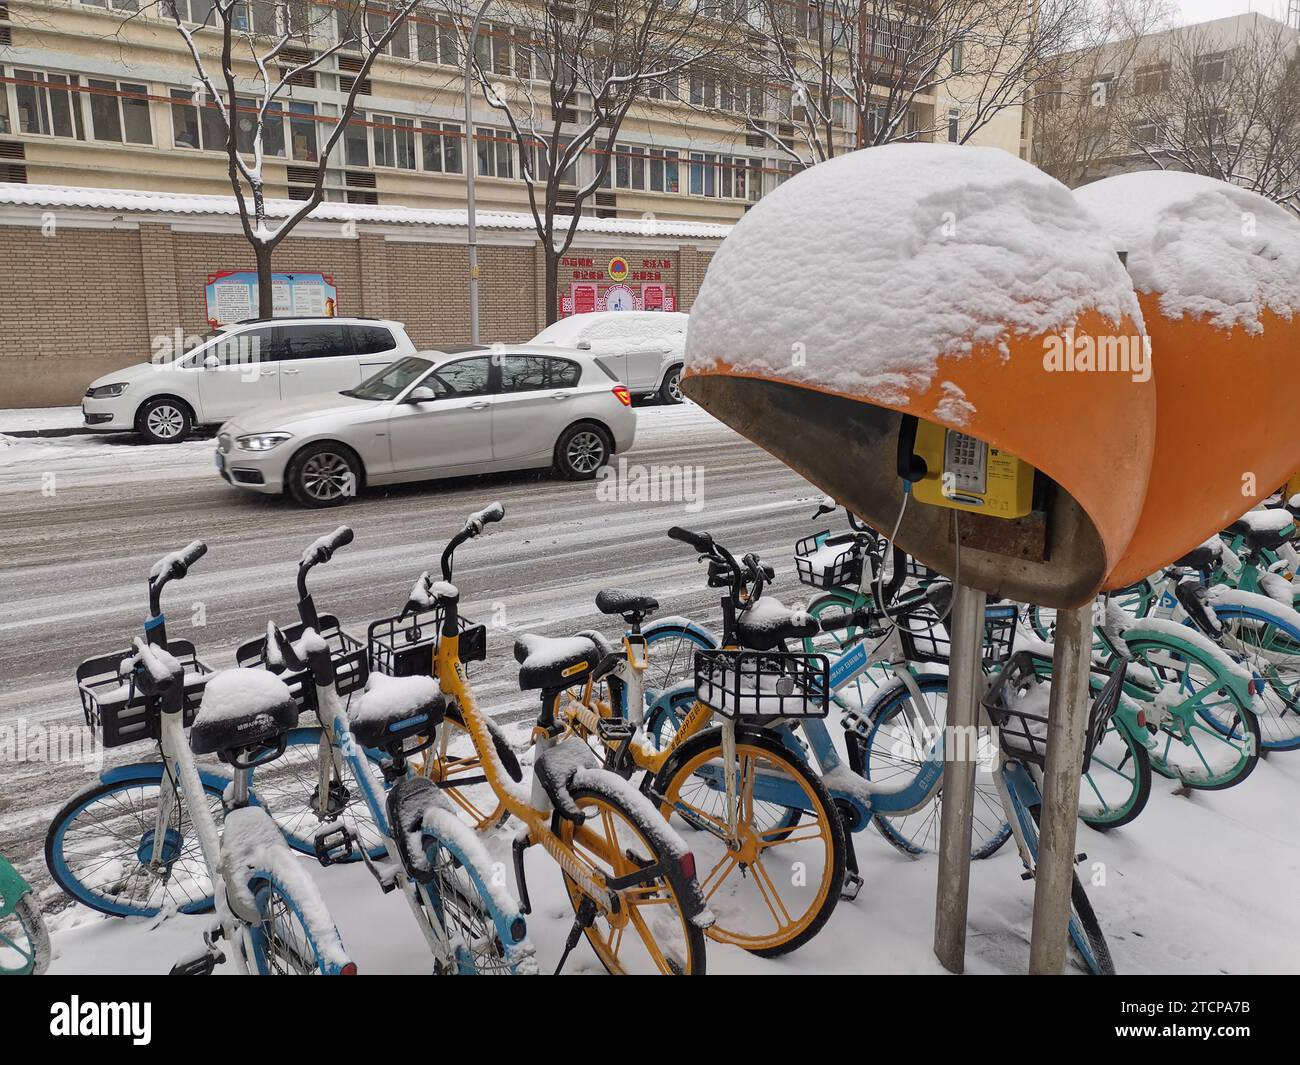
(393, 708)
(621, 601)
(549, 662)
(1204, 557)
(242, 708)
(1261, 534)
(767, 624)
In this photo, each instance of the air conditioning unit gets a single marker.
(14, 172)
(360, 179)
(363, 196)
(606, 199)
(296, 57)
(755, 140)
(12, 150)
(300, 175)
(346, 82)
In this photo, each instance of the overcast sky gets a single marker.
(1204, 10)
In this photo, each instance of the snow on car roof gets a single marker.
(859, 273)
(615, 332)
(1207, 247)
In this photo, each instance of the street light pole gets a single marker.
(471, 165)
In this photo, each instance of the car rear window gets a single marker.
(371, 339)
(529, 373)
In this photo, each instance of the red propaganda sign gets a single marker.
(585, 297)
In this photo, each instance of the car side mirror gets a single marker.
(584, 345)
(211, 362)
(423, 394)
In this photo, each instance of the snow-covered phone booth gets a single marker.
(1217, 273)
(906, 326)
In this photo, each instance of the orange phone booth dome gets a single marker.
(1217, 271)
(965, 287)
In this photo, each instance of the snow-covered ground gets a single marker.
(1203, 883)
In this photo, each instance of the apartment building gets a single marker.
(102, 93)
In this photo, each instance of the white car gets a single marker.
(240, 367)
(643, 349)
(435, 414)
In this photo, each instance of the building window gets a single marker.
(629, 167)
(116, 5)
(440, 146)
(494, 149)
(1209, 68)
(5, 127)
(119, 111)
(958, 56)
(663, 170)
(201, 127)
(954, 125)
(499, 49)
(394, 141)
(302, 132)
(1209, 129)
(704, 90)
(436, 42)
(356, 143)
(399, 46)
(193, 11)
(44, 108)
(1150, 132)
(1150, 80)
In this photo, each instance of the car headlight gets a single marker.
(261, 441)
(107, 391)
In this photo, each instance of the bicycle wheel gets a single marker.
(895, 750)
(672, 646)
(742, 885)
(287, 789)
(858, 692)
(1208, 737)
(24, 939)
(650, 933)
(492, 934)
(1272, 654)
(287, 939)
(100, 847)
(1118, 782)
(1084, 928)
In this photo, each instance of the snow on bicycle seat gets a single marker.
(393, 708)
(768, 623)
(621, 601)
(549, 662)
(1264, 529)
(1203, 557)
(242, 708)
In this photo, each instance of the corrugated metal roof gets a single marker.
(140, 201)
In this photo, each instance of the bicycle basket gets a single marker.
(351, 670)
(825, 561)
(1017, 703)
(926, 637)
(762, 683)
(118, 710)
(405, 646)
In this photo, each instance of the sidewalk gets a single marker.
(42, 421)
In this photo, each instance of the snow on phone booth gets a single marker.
(915, 329)
(1217, 272)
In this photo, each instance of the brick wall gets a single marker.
(85, 301)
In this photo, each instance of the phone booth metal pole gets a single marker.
(1067, 724)
(960, 752)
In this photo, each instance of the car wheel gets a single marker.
(582, 450)
(164, 420)
(323, 475)
(671, 390)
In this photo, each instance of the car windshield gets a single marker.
(391, 381)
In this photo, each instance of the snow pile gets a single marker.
(618, 332)
(857, 275)
(769, 613)
(1206, 247)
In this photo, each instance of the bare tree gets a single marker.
(1226, 109)
(246, 53)
(563, 75)
(842, 74)
(1082, 89)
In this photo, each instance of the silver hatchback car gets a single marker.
(435, 414)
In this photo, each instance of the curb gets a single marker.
(29, 434)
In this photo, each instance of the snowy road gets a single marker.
(1200, 883)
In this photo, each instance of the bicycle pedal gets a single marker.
(334, 846)
(1079, 859)
(851, 886)
(613, 730)
(200, 965)
(1027, 875)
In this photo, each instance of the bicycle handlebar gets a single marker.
(702, 542)
(322, 549)
(280, 651)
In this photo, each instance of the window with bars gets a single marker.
(44, 105)
(436, 42)
(494, 149)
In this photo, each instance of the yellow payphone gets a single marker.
(964, 473)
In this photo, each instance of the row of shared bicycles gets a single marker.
(694, 780)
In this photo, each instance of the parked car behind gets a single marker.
(240, 367)
(644, 349)
(435, 414)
